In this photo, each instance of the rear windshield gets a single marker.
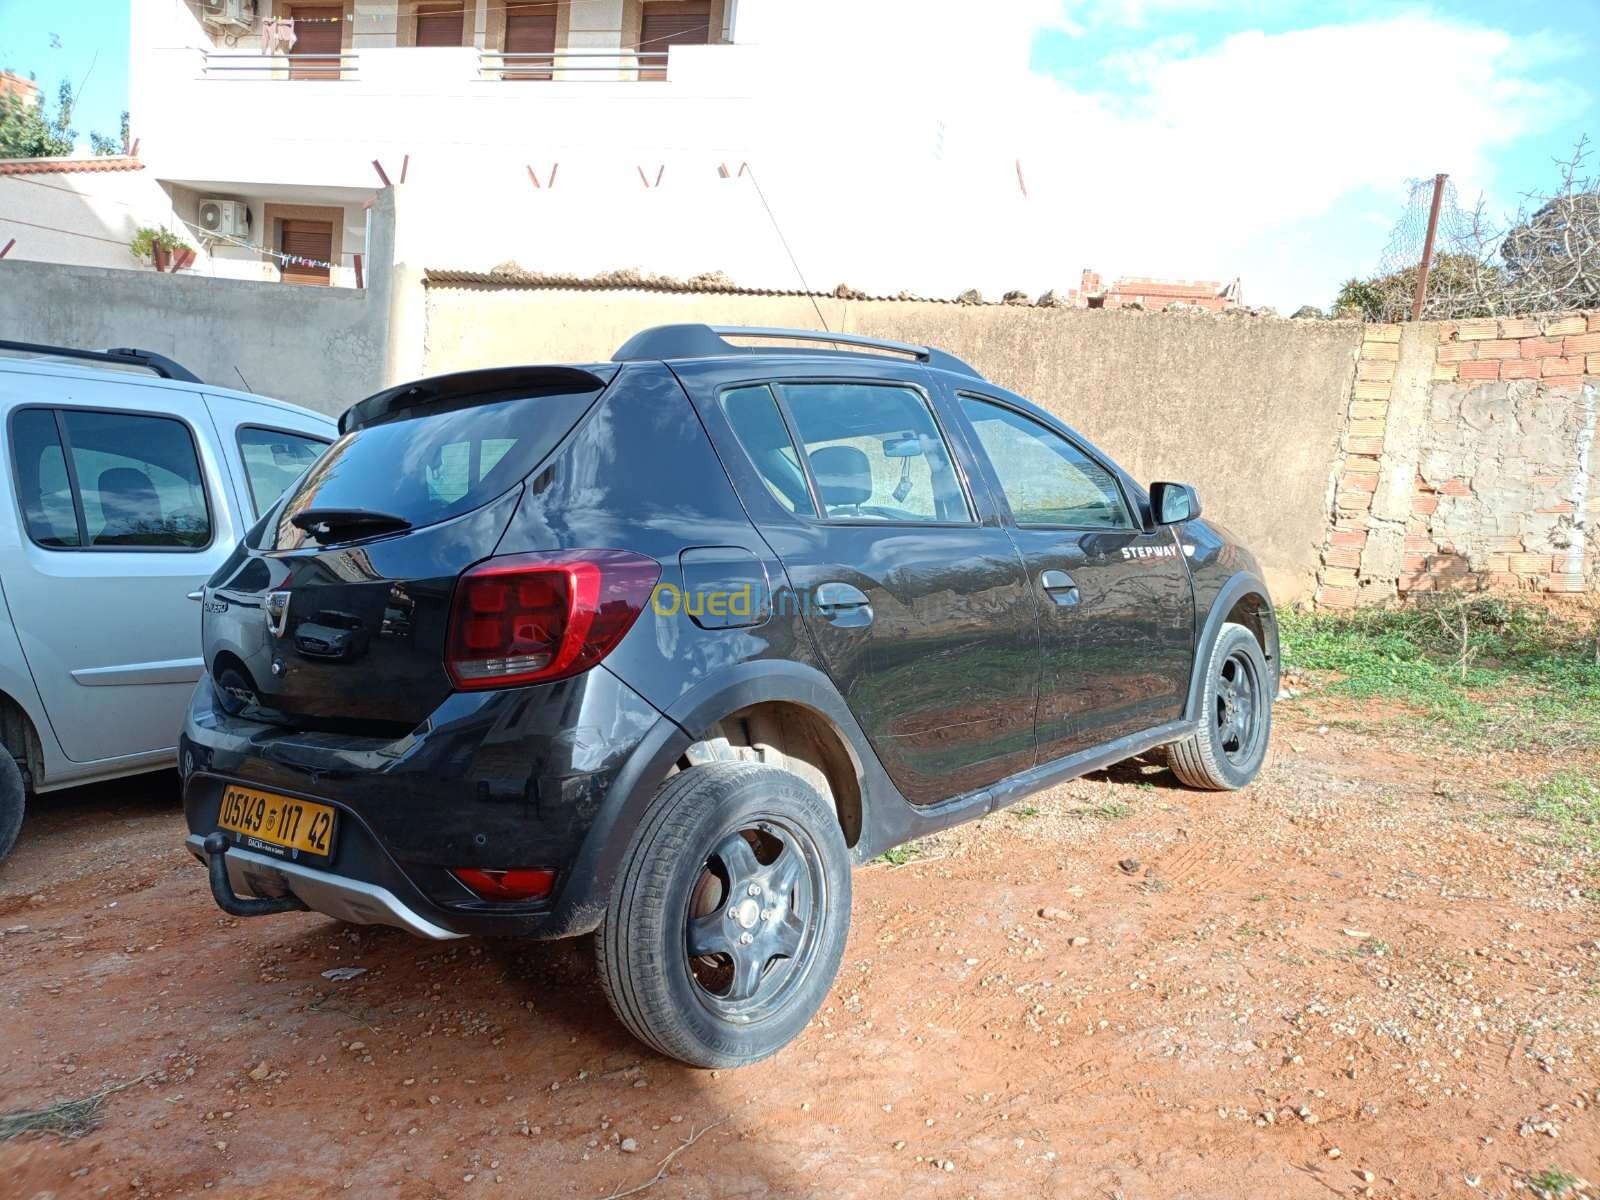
(428, 465)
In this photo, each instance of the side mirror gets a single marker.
(1173, 503)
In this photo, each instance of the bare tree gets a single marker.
(1545, 258)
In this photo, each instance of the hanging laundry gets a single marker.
(277, 35)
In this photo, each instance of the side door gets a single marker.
(266, 448)
(124, 511)
(1116, 606)
(913, 593)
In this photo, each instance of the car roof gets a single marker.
(671, 343)
(134, 378)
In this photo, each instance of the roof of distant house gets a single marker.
(68, 166)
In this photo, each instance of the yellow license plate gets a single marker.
(280, 825)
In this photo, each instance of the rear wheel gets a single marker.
(1235, 717)
(729, 917)
(13, 797)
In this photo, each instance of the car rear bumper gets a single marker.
(491, 780)
(359, 903)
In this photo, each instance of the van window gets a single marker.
(274, 459)
(134, 480)
(42, 482)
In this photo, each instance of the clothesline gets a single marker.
(293, 260)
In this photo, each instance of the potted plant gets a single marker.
(179, 251)
(165, 249)
(144, 243)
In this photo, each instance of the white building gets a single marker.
(673, 137)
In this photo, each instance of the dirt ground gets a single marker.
(1364, 975)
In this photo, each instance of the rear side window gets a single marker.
(875, 453)
(108, 480)
(432, 463)
(754, 415)
(274, 459)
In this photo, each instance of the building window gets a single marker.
(670, 23)
(441, 25)
(530, 40)
(307, 249)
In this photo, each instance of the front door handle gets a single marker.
(1059, 587)
(842, 604)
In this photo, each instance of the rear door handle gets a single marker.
(1058, 585)
(842, 604)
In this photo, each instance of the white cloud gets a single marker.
(1263, 156)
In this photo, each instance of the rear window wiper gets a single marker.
(352, 522)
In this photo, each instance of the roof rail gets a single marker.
(707, 341)
(125, 356)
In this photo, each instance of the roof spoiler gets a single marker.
(708, 341)
(470, 387)
(126, 356)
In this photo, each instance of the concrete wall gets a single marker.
(82, 219)
(1469, 460)
(1249, 410)
(321, 347)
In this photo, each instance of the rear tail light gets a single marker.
(507, 886)
(529, 618)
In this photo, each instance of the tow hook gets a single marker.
(216, 848)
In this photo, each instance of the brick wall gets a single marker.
(1468, 459)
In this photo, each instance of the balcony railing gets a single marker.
(603, 65)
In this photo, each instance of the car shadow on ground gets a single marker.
(1147, 770)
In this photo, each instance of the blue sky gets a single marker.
(1265, 139)
(85, 41)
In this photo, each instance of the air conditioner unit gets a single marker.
(225, 218)
(230, 14)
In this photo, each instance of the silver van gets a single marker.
(127, 485)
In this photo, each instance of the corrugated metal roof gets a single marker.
(68, 166)
(638, 282)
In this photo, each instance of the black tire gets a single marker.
(1228, 749)
(13, 798)
(748, 862)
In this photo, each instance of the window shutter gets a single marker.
(671, 23)
(530, 41)
(318, 39)
(307, 239)
(441, 26)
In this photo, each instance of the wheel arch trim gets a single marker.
(1238, 587)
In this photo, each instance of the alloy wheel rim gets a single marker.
(752, 918)
(1238, 708)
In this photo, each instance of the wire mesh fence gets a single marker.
(1544, 258)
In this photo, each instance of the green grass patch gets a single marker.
(1480, 669)
(900, 855)
(1554, 1182)
(1568, 802)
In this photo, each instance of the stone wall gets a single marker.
(1468, 459)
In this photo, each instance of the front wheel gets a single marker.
(729, 916)
(1235, 717)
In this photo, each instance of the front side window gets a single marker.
(1046, 479)
(273, 459)
(109, 480)
(875, 453)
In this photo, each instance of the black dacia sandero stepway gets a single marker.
(658, 648)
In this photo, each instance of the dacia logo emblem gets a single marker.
(277, 609)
